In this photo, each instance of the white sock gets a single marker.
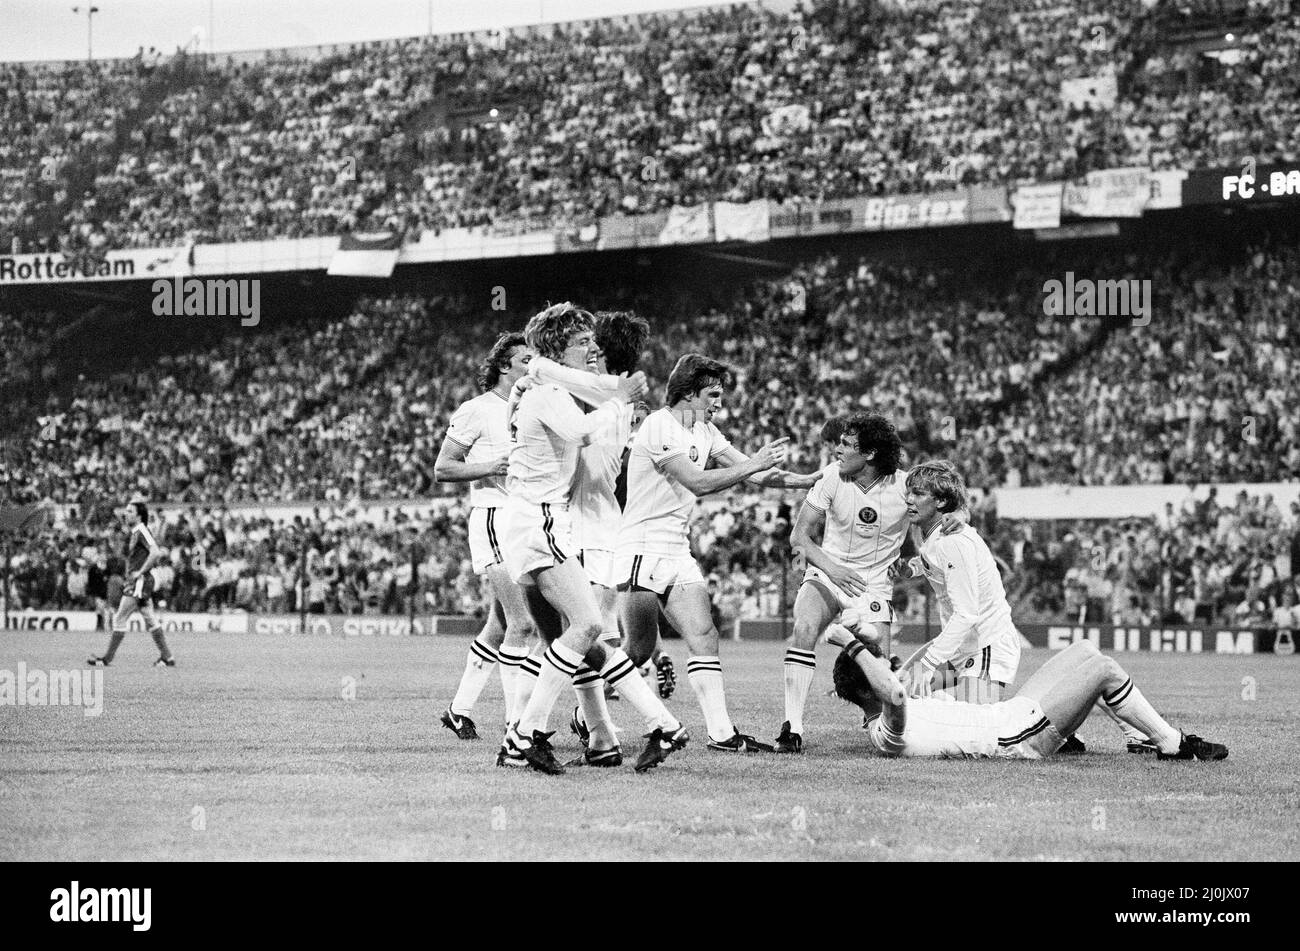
(509, 660)
(559, 664)
(1131, 733)
(611, 639)
(478, 668)
(1130, 706)
(529, 670)
(799, 668)
(620, 673)
(593, 711)
(705, 674)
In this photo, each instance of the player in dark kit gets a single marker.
(142, 553)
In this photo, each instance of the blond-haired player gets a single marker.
(549, 431)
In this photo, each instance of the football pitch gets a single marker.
(315, 748)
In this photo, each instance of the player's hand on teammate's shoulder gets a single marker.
(632, 387)
(954, 522)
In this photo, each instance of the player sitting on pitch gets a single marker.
(1052, 704)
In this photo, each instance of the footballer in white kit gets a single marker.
(849, 532)
(595, 511)
(476, 450)
(978, 638)
(677, 456)
(1051, 705)
(549, 431)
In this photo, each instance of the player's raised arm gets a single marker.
(705, 482)
(592, 388)
(571, 424)
(884, 685)
(806, 536)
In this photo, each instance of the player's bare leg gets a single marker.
(126, 606)
(814, 609)
(689, 611)
(517, 637)
(479, 661)
(591, 720)
(638, 610)
(153, 625)
(1070, 684)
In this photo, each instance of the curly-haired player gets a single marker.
(1052, 704)
(849, 532)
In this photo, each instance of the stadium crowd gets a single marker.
(542, 129)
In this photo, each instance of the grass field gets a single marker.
(248, 749)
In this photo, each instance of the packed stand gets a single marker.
(1205, 393)
(541, 129)
(1206, 561)
(225, 561)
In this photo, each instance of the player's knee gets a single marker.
(1084, 648)
(639, 650)
(588, 630)
(805, 635)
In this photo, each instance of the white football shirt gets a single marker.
(549, 431)
(865, 526)
(595, 511)
(942, 727)
(659, 508)
(973, 605)
(479, 425)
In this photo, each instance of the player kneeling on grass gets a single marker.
(977, 652)
(1052, 704)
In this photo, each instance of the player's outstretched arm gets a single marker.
(709, 481)
(806, 536)
(771, 477)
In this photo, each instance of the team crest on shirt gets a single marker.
(867, 515)
(694, 454)
(875, 606)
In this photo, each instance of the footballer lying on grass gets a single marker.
(1052, 704)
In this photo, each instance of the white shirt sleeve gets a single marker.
(822, 493)
(465, 427)
(664, 439)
